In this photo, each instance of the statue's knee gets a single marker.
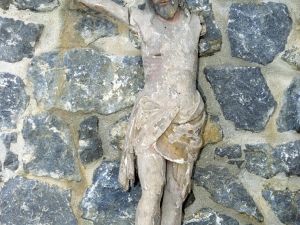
(154, 190)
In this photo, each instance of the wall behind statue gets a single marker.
(69, 77)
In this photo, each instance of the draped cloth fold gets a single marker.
(176, 134)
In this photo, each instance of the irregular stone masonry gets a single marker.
(24, 201)
(13, 100)
(68, 77)
(17, 39)
(251, 27)
(243, 94)
(93, 81)
(90, 145)
(105, 201)
(49, 148)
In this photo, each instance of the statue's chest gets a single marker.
(163, 39)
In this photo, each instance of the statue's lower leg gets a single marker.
(172, 200)
(151, 169)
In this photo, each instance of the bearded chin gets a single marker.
(167, 12)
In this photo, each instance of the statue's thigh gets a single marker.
(152, 171)
(182, 175)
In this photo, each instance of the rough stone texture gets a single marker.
(24, 201)
(232, 152)
(265, 161)
(46, 72)
(292, 57)
(17, 39)
(258, 32)
(285, 204)
(260, 162)
(118, 131)
(105, 202)
(102, 83)
(49, 148)
(13, 100)
(289, 115)
(238, 163)
(243, 95)
(213, 132)
(91, 82)
(226, 190)
(211, 42)
(36, 5)
(4, 4)
(92, 28)
(289, 154)
(90, 145)
(207, 216)
(11, 159)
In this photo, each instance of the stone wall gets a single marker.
(69, 77)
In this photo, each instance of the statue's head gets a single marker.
(165, 8)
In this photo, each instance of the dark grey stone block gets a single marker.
(13, 100)
(49, 148)
(227, 220)
(225, 189)
(88, 128)
(211, 42)
(36, 5)
(90, 145)
(297, 204)
(105, 202)
(46, 72)
(206, 216)
(292, 57)
(238, 163)
(265, 161)
(259, 147)
(289, 154)
(243, 95)
(4, 4)
(285, 204)
(94, 82)
(232, 152)
(92, 28)
(261, 163)
(258, 32)
(17, 39)
(289, 115)
(102, 83)
(11, 160)
(24, 201)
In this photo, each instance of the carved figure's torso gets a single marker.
(170, 58)
(169, 112)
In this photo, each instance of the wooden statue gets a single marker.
(165, 126)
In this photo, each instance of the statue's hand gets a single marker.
(203, 25)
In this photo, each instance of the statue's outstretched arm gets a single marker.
(110, 8)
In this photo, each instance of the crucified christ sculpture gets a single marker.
(166, 123)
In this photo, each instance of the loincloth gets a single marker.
(175, 132)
